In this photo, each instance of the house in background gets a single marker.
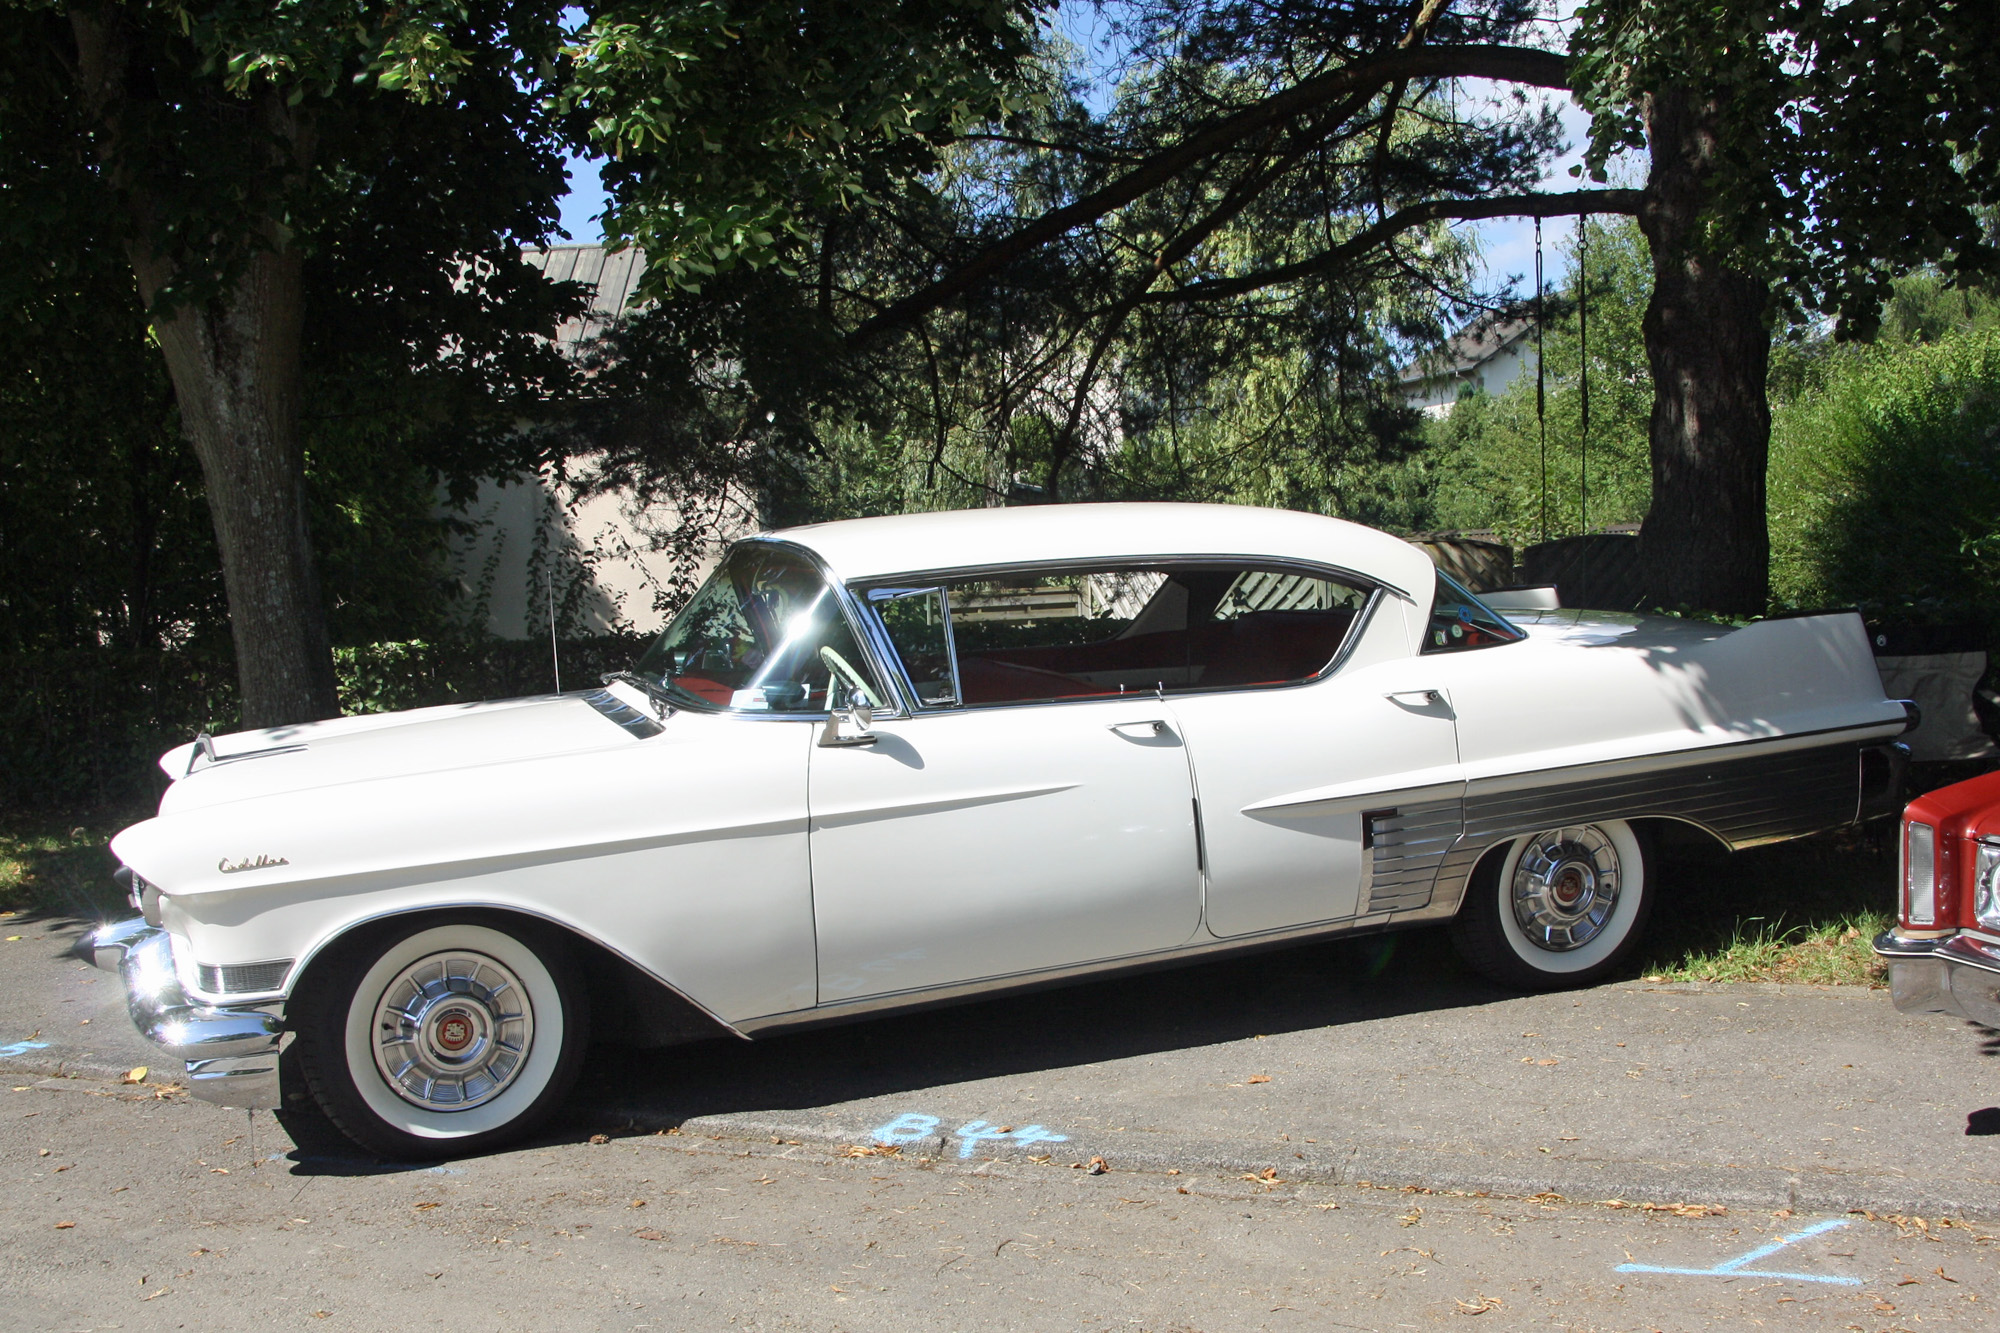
(604, 558)
(1486, 355)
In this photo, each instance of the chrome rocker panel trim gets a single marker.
(231, 1054)
(1959, 974)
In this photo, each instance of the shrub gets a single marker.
(1885, 483)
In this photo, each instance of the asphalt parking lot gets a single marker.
(1366, 1141)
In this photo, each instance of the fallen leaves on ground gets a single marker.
(1258, 1078)
(1098, 1166)
(1677, 1209)
(600, 1139)
(64, 1226)
(871, 1150)
(136, 1074)
(647, 1233)
(1480, 1306)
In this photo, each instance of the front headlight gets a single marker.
(1919, 874)
(1986, 886)
(143, 896)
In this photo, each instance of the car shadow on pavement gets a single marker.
(1282, 990)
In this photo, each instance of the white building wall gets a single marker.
(607, 555)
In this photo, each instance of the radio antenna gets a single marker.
(555, 658)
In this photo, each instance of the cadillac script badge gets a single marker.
(261, 861)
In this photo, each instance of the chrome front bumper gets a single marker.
(1959, 974)
(231, 1054)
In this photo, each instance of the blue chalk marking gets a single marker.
(906, 1128)
(912, 1126)
(972, 1134)
(21, 1048)
(1736, 1267)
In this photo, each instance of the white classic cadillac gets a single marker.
(897, 761)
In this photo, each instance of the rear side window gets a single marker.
(1460, 621)
(1075, 634)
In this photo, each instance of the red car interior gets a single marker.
(1260, 648)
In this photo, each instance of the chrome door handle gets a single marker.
(1159, 727)
(1427, 697)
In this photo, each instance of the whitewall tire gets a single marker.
(438, 1040)
(1561, 907)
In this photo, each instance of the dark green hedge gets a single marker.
(82, 728)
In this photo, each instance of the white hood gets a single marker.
(370, 746)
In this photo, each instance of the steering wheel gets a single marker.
(853, 679)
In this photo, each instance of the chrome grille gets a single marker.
(243, 978)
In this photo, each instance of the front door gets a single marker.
(1326, 800)
(988, 842)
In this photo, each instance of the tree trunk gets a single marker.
(234, 359)
(1705, 545)
(235, 367)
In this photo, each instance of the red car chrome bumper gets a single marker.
(1957, 974)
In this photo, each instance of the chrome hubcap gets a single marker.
(452, 1031)
(1565, 887)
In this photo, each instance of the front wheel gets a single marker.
(441, 1040)
(1563, 907)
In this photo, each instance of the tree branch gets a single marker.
(1402, 220)
(1510, 64)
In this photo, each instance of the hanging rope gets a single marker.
(1583, 358)
(1541, 382)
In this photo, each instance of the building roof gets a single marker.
(1471, 347)
(614, 274)
(868, 548)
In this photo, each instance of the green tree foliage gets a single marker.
(1196, 291)
(734, 125)
(1885, 475)
(1486, 462)
(322, 206)
(1855, 140)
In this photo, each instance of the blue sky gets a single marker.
(1508, 244)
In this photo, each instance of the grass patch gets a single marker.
(1803, 912)
(53, 867)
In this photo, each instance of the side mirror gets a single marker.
(859, 714)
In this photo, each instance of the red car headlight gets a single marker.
(1986, 885)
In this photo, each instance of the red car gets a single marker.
(1944, 952)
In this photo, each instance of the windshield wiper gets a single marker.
(657, 694)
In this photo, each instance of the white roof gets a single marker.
(868, 548)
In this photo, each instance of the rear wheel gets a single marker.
(1560, 908)
(441, 1040)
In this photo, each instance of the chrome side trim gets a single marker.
(1402, 848)
(955, 992)
(1743, 800)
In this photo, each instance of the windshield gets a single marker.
(764, 634)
